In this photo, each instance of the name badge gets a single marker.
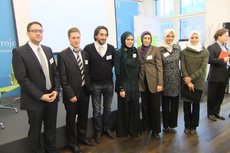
(135, 55)
(109, 57)
(86, 62)
(166, 54)
(51, 61)
(149, 57)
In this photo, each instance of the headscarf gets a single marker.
(124, 36)
(198, 47)
(168, 47)
(144, 48)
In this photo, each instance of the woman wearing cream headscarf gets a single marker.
(194, 60)
(170, 53)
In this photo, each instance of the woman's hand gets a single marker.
(122, 94)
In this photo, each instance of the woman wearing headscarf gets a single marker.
(218, 76)
(194, 60)
(126, 70)
(150, 83)
(170, 53)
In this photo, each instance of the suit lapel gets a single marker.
(139, 55)
(72, 57)
(33, 56)
(218, 49)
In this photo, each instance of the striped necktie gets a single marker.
(44, 68)
(80, 64)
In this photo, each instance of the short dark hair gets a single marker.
(32, 23)
(96, 31)
(73, 29)
(220, 32)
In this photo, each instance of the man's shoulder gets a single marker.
(89, 46)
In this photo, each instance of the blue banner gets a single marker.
(7, 41)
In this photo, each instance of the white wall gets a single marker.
(22, 17)
(57, 16)
(217, 12)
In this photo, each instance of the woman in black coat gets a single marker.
(126, 69)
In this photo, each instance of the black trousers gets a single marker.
(216, 91)
(48, 115)
(151, 111)
(170, 111)
(77, 131)
(191, 114)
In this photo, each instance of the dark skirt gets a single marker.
(128, 113)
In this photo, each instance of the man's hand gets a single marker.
(49, 97)
(74, 99)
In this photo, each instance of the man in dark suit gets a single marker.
(35, 70)
(218, 74)
(72, 65)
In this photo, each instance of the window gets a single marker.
(191, 6)
(163, 26)
(190, 24)
(164, 8)
(183, 16)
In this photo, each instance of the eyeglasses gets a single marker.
(36, 31)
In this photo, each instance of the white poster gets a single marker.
(146, 23)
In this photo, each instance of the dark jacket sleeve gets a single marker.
(117, 63)
(69, 92)
(213, 56)
(22, 77)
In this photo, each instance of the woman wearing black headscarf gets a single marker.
(150, 83)
(126, 69)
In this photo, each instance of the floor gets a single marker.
(211, 137)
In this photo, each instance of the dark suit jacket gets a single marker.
(218, 71)
(70, 73)
(30, 76)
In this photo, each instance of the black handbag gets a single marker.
(193, 96)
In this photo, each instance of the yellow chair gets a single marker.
(14, 85)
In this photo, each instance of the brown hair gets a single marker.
(71, 30)
(220, 32)
(32, 23)
(96, 31)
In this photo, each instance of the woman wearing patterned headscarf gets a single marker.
(170, 53)
(150, 83)
(126, 70)
(194, 60)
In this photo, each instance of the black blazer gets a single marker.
(218, 71)
(70, 74)
(30, 76)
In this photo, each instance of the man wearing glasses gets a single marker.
(35, 70)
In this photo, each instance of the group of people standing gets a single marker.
(151, 73)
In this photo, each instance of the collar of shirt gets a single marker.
(34, 49)
(222, 46)
(33, 46)
(72, 48)
(97, 45)
(75, 54)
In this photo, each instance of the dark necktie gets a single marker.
(80, 64)
(44, 68)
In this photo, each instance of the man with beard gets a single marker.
(100, 69)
